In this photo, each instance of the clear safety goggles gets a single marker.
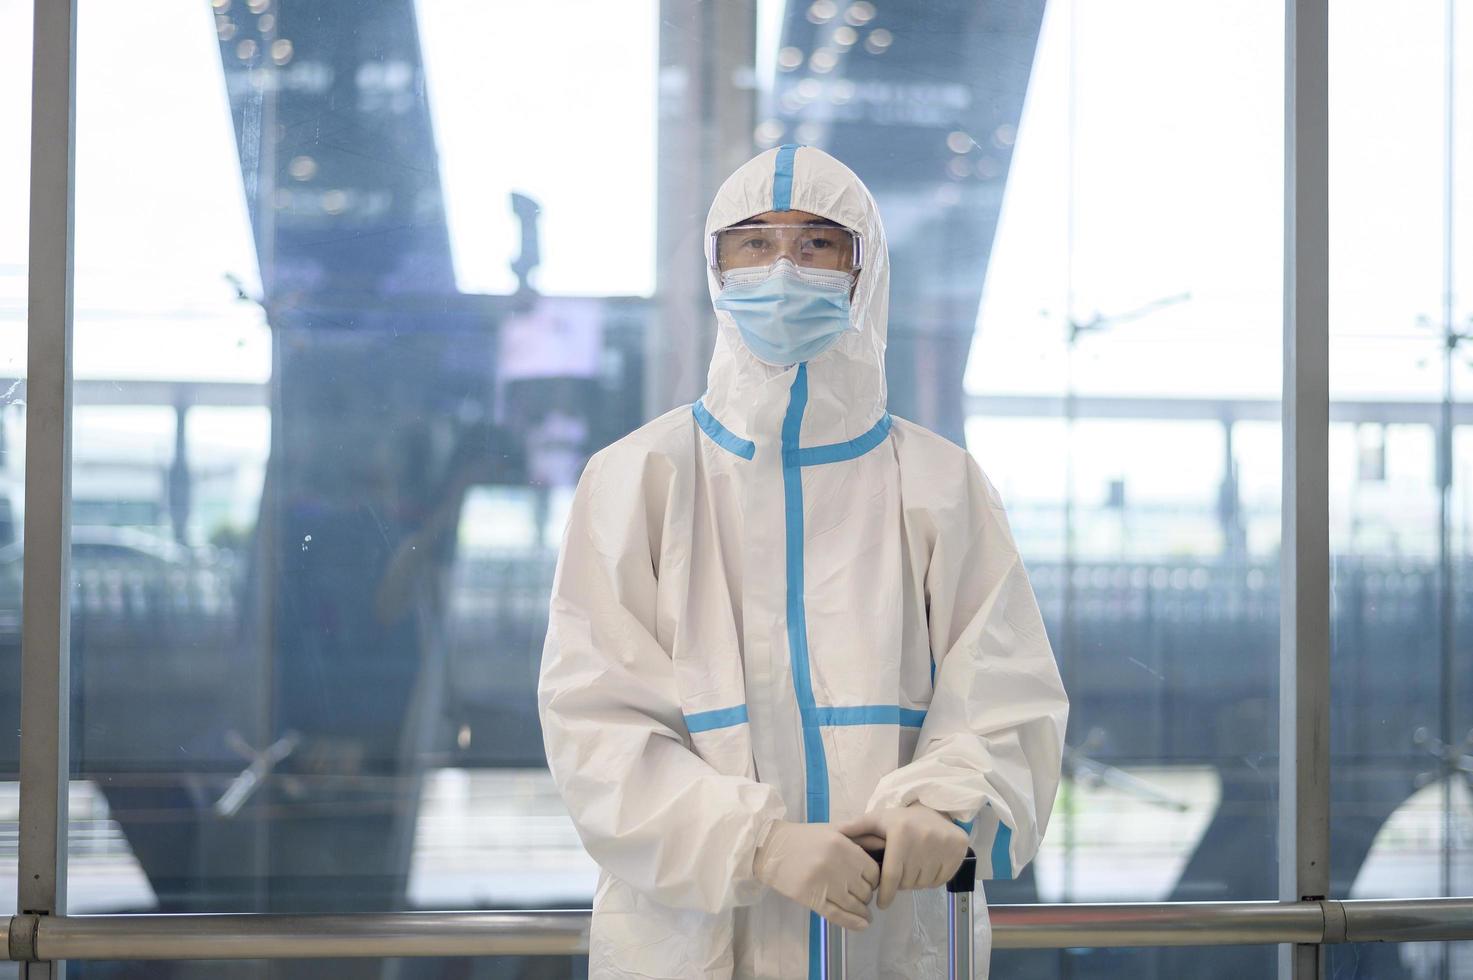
(830, 248)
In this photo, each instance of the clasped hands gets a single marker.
(825, 867)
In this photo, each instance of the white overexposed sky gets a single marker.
(1177, 188)
(161, 214)
(1177, 177)
(556, 101)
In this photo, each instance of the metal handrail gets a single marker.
(257, 936)
(565, 933)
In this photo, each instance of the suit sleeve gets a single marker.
(990, 748)
(648, 809)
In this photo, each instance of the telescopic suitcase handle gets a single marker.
(960, 917)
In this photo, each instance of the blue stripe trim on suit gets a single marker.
(840, 451)
(1002, 858)
(705, 721)
(816, 769)
(826, 717)
(782, 178)
(870, 714)
(721, 435)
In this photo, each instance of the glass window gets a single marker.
(1124, 384)
(344, 342)
(1401, 212)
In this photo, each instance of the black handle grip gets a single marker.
(965, 879)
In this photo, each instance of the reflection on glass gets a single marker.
(1400, 503)
(1123, 384)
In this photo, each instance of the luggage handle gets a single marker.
(960, 914)
(965, 879)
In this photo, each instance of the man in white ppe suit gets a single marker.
(784, 622)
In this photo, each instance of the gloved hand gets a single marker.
(923, 849)
(819, 868)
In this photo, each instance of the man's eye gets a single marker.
(819, 243)
(754, 243)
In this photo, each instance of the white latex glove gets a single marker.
(923, 849)
(819, 868)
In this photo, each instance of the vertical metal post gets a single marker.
(960, 940)
(1304, 647)
(1451, 340)
(45, 649)
(960, 930)
(832, 956)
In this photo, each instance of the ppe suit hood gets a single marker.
(846, 383)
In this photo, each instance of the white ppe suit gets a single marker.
(780, 602)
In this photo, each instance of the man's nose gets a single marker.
(789, 250)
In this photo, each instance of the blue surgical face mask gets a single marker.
(787, 314)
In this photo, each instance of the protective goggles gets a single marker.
(810, 246)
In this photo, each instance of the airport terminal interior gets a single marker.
(359, 288)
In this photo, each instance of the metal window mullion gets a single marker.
(41, 877)
(1304, 657)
